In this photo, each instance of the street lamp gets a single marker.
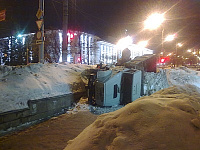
(154, 21)
(179, 44)
(19, 35)
(170, 38)
(124, 43)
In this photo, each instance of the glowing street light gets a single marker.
(189, 50)
(124, 43)
(142, 43)
(179, 44)
(170, 38)
(154, 21)
(169, 54)
(19, 35)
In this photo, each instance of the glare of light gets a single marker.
(193, 52)
(124, 43)
(68, 58)
(154, 21)
(142, 43)
(180, 44)
(189, 50)
(170, 38)
(71, 36)
(19, 35)
(23, 40)
(60, 37)
(162, 60)
(169, 54)
(161, 53)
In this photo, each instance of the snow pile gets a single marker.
(183, 76)
(154, 82)
(35, 81)
(168, 119)
(82, 105)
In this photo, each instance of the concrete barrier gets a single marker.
(38, 111)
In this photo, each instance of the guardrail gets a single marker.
(38, 111)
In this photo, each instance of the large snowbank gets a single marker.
(35, 81)
(168, 119)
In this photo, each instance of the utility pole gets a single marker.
(65, 28)
(40, 33)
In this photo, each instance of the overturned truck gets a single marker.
(119, 85)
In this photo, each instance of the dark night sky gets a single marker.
(109, 18)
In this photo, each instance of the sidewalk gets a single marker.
(50, 135)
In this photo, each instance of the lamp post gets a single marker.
(153, 22)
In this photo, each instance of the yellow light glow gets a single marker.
(143, 43)
(124, 43)
(189, 50)
(154, 21)
(170, 38)
(169, 54)
(180, 44)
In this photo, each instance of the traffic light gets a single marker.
(162, 60)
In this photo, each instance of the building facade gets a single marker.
(82, 48)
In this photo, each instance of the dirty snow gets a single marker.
(167, 119)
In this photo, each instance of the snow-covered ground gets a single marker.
(35, 81)
(183, 76)
(167, 119)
